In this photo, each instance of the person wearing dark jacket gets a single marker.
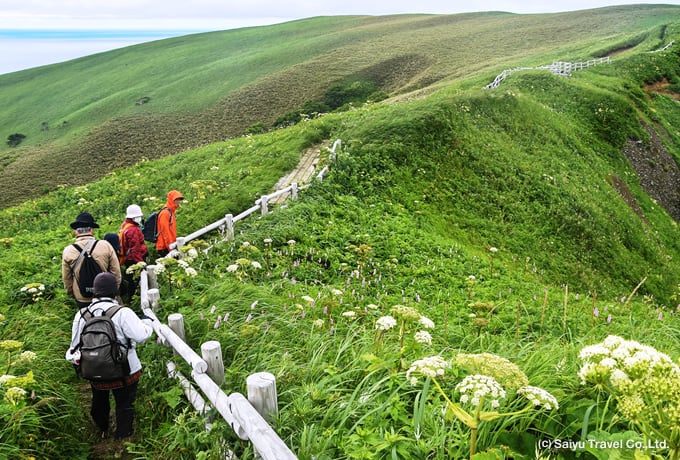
(130, 329)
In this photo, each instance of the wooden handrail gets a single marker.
(237, 411)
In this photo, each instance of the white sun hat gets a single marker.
(134, 211)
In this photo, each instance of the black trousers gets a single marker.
(125, 410)
(128, 286)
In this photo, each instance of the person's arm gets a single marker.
(75, 338)
(133, 327)
(66, 275)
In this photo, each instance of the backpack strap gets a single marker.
(112, 311)
(83, 251)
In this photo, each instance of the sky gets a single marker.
(40, 32)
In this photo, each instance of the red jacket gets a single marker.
(132, 243)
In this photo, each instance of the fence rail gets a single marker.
(226, 224)
(248, 417)
(557, 68)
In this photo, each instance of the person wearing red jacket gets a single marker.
(132, 249)
(166, 225)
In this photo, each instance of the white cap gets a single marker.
(134, 211)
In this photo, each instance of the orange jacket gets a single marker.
(167, 225)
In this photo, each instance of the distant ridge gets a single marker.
(206, 87)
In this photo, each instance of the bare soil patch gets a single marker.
(658, 172)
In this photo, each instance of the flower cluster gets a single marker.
(12, 385)
(405, 313)
(475, 389)
(243, 268)
(385, 323)
(539, 397)
(176, 270)
(505, 372)
(432, 366)
(644, 382)
(619, 362)
(423, 337)
(34, 290)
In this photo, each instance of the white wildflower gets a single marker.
(432, 366)
(423, 337)
(477, 388)
(14, 395)
(539, 397)
(427, 323)
(385, 323)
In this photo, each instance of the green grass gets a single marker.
(447, 203)
(241, 77)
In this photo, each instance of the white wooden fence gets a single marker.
(248, 417)
(557, 67)
(664, 48)
(226, 224)
(561, 68)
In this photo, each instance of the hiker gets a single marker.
(130, 330)
(166, 224)
(113, 240)
(133, 249)
(103, 254)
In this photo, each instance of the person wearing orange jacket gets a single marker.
(166, 225)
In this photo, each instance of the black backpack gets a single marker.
(102, 357)
(85, 270)
(150, 226)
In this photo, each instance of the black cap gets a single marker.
(84, 220)
(105, 285)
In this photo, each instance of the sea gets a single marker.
(25, 49)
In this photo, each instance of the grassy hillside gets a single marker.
(510, 218)
(87, 114)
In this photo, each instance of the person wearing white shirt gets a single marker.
(129, 329)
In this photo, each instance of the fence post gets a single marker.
(229, 224)
(152, 276)
(176, 324)
(293, 191)
(264, 204)
(262, 394)
(154, 297)
(179, 243)
(211, 352)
